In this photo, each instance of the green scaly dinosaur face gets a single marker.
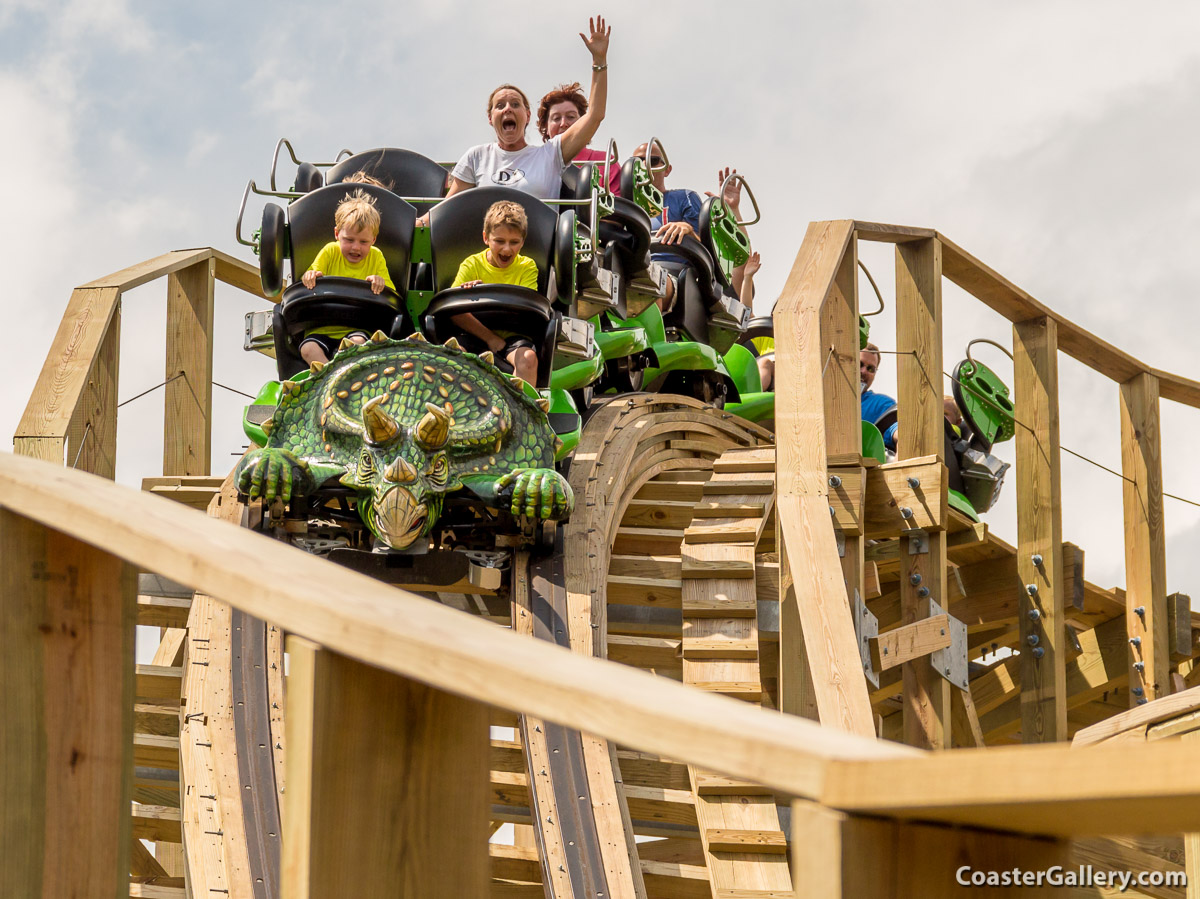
(401, 480)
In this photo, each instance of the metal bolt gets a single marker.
(914, 578)
(1033, 639)
(914, 483)
(1140, 611)
(885, 650)
(1139, 666)
(835, 481)
(1034, 614)
(1137, 691)
(1036, 559)
(905, 513)
(922, 592)
(1038, 652)
(1135, 641)
(1141, 701)
(1031, 589)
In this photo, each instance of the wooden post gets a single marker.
(92, 432)
(921, 433)
(387, 784)
(843, 407)
(1039, 533)
(66, 734)
(187, 428)
(1145, 539)
(841, 856)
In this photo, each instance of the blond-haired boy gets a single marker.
(504, 230)
(351, 254)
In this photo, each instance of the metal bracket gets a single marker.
(840, 536)
(918, 541)
(951, 662)
(866, 626)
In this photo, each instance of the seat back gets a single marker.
(725, 241)
(403, 172)
(456, 231)
(310, 226)
(637, 186)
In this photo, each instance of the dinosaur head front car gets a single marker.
(403, 423)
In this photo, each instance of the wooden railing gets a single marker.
(72, 413)
(816, 343)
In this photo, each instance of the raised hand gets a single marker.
(731, 193)
(597, 42)
(753, 264)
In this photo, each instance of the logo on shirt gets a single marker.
(507, 176)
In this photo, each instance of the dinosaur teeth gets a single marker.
(487, 357)
(379, 337)
(452, 344)
(315, 367)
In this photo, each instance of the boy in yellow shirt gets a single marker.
(504, 230)
(352, 254)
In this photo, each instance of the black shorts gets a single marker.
(473, 344)
(330, 344)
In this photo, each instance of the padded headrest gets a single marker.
(628, 171)
(456, 231)
(310, 224)
(405, 173)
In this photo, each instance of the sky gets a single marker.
(1054, 140)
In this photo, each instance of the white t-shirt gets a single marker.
(536, 170)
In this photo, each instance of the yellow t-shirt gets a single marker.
(522, 271)
(764, 345)
(333, 264)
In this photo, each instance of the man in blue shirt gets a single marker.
(680, 217)
(877, 408)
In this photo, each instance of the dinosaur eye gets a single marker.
(439, 471)
(366, 465)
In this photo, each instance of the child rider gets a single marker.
(352, 254)
(504, 230)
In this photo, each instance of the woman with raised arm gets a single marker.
(562, 108)
(511, 162)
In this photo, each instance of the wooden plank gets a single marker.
(238, 273)
(1039, 532)
(151, 269)
(889, 492)
(60, 386)
(163, 611)
(158, 823)
(926, 693)
(910, 642)
(1179, 627)
(92, 430)
(66, 735)
(646, 513)
(187, 410)
(755, 841)
(1139, 717)
(816, 631)
(1145, 540)
(393, 798)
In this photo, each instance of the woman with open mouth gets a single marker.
(511, 162)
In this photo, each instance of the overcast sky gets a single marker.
(1054, 140)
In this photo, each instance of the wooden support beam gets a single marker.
(912, 641)
(390, 795)
(92, 432)
(66, 735)
(812, 586)
(921, 434)
(889, 492)
(1179, 626)
(841, 856)
(1039, 532)
(187, 423)
(1145, 539)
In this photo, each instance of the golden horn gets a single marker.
(487, 357)
(433, 430)
(400, 471)
(452, 344)
(379, 427)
